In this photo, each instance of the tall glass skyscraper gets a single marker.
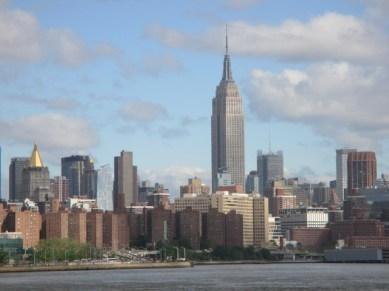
(228, 128)
(341, 171)
(270, 167)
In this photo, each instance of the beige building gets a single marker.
(261, 220)
(242, 204)
(194, 186)
(196, 202)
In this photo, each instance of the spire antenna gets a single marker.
(226, 39)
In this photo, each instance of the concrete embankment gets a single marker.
(87, 267)
(203, 263)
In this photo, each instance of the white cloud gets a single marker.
(156, 65)
(23, 40)
(173, 177)
(330, 37)
(142, 112)
(55, 132)
(347, 103)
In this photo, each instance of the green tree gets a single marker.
(3, 257)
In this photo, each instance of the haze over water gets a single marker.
(224, 277)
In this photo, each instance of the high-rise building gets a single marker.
(105, 187)
(361, 170)
(270, 168)
(228, 128)
(145, 189)
(82, 176)
(16, 178)
(341, 171)
(124, 182)
(194, 186)
(59, 186)
(260, 220)
(36, 179)
(252, 182)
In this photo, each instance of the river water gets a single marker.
(222, 277)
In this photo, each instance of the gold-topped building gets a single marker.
(36, 179)
(36, 160)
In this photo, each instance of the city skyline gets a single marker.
(147, 75)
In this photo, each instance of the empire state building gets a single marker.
(227, 128)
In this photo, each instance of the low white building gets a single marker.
(311, 217)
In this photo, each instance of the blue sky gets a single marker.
(98, 76)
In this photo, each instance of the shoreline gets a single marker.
(92, 267)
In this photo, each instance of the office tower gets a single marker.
(59, 187)
(252, 182)
(145, 189)
(223, 179)
(228, 128)
(16, 178)
(341, 171)
(361, 170)
(105, 187)
(194, 186)
(36, 179)
(124, 182)
(82, 176)
(270, 168)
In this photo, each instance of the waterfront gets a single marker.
(224, 277)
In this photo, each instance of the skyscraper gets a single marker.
(105, 187)
(16, 178)
(252, 182)
(361, 170)
(270, 167)
(341, 171)
(124, 181)
(82, 177)
(36, 179)
(228, 128)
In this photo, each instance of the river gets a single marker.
(300, 276)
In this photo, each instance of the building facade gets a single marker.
(124, 184)
(228, 128)
(361, 171)
(270, 168)
(16, 178)
(82, 177)
(341, 171)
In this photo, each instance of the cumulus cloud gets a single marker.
(341, 101)
(173, 177)
(142, 112)
(50, 103)
(22, 40)
(55, 132)
(329, 37)
(156, 65)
